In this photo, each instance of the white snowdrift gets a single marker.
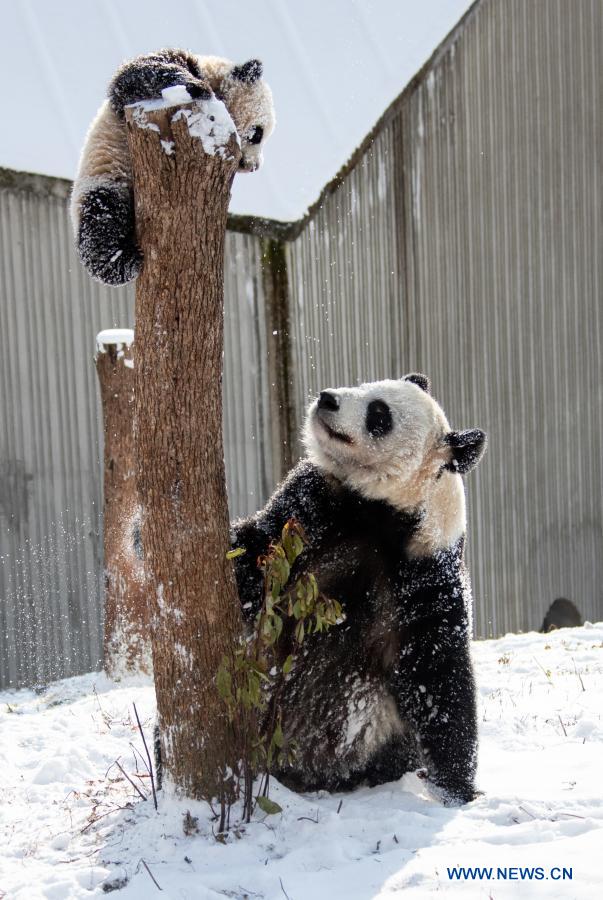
(63, 834)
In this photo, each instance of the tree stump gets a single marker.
(184, 160)
(126, 635)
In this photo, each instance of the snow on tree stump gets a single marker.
(126, 634)
(184, 160)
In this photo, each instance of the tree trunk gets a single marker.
(182, 193)
(127, 647)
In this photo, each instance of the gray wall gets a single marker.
(466, 244)
(464, 241)
(504, 276)
(51, 434)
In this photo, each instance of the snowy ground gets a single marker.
(70, 823)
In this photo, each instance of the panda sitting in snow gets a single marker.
(102, 203)
(381, 499)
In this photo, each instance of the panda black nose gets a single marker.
(328, 401)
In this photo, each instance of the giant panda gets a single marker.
(381, 498)
(102, 203)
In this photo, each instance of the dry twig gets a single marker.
(150, 764)
(159, 888)
(134, 785)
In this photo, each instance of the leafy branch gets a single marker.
(252, 684)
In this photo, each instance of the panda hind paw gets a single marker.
(106, 236)
(458, 795)
(116, 269)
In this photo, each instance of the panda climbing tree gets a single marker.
(151, 200)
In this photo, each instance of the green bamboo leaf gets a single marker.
(268, 806)
(284, 570)
(237, 551)
(278, 736)
(288, 665)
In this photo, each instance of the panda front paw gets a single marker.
(146, 77)
(198, 90)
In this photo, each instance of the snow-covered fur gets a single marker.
(102, 206)
(381, 499)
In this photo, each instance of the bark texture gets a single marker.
(181, 198)
(126, 636)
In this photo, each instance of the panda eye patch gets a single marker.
(378, 418)
(256, 135)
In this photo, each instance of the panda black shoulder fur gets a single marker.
(381, 498)
(102, 204)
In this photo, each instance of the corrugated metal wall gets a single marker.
(465, 243)
(505, 266)
(251, 471)
(50, 488)
(346, 281)
(50, 431)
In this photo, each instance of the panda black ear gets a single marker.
(248, 72)
(468, 447)
(421, 380)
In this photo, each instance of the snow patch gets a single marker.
(209, 121)
(110, 337)
(70, 821)
(131, 653)
(175, 95)
(165, 610)
(140, 114)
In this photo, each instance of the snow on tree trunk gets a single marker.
(184, 161)
(126, 639)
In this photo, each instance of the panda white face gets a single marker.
(391, 441)
(248, 98)
(381, 430)
(249, 101)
